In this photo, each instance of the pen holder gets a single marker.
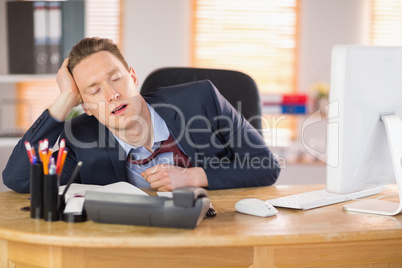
(61, 205)
(36, 189)
(51, 198)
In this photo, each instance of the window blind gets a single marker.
(33, 98)
(386, 22)
(103, 19)
(257, 37)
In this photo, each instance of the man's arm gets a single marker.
(49, 125)
(249, 162)
(16, 172)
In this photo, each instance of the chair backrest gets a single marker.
(238, 88)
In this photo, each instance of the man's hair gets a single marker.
(89, 46)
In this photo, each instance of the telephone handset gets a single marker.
(187, 196)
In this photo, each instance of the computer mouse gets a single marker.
(255, 207)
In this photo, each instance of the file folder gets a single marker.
(26, 24)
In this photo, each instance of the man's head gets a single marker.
(89, 46)
(108, 87)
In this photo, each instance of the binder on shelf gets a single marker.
(295, 98)
(284, 109)
(41, 56)
(54, 36)
(73, 21)
(284, 103)
(42, 33)
(26, 25)
(285, 99)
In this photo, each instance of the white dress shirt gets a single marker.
(161, 133)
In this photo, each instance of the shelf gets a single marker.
(6, 142)
(15, 78)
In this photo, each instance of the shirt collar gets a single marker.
(160, 129)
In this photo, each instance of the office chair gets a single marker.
(238, 88)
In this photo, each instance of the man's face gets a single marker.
(108, 90)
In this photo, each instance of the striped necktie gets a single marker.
(169, 145)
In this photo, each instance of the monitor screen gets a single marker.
(366, 83)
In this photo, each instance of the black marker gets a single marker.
(62, 199)
(72, 178)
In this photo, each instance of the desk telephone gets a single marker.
(186, 209)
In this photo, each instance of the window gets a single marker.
(386, 22)
(257, 37)
(33, 98)
(103, 19)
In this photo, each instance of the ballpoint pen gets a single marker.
(72, 178)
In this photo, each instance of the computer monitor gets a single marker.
(365, 104)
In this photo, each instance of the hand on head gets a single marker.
(66, 82)
(69, 94)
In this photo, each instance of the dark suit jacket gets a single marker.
(211, 132)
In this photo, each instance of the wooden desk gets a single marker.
(326, 236)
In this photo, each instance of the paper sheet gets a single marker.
(75, 205)
(121, 187)
(165, 194)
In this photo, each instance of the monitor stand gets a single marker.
(393, 127)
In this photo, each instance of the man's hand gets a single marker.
(165, 178)
(69, 94)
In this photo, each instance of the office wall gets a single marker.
(156, 34)
(323, 24)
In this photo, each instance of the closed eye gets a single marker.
(94, 92)
(116, 78)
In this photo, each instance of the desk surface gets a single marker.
(321, 225)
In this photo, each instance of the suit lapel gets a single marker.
(176, 123)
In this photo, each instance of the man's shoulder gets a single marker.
(83, 122)
(84, 118)
(196, 90)
(84, 129)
